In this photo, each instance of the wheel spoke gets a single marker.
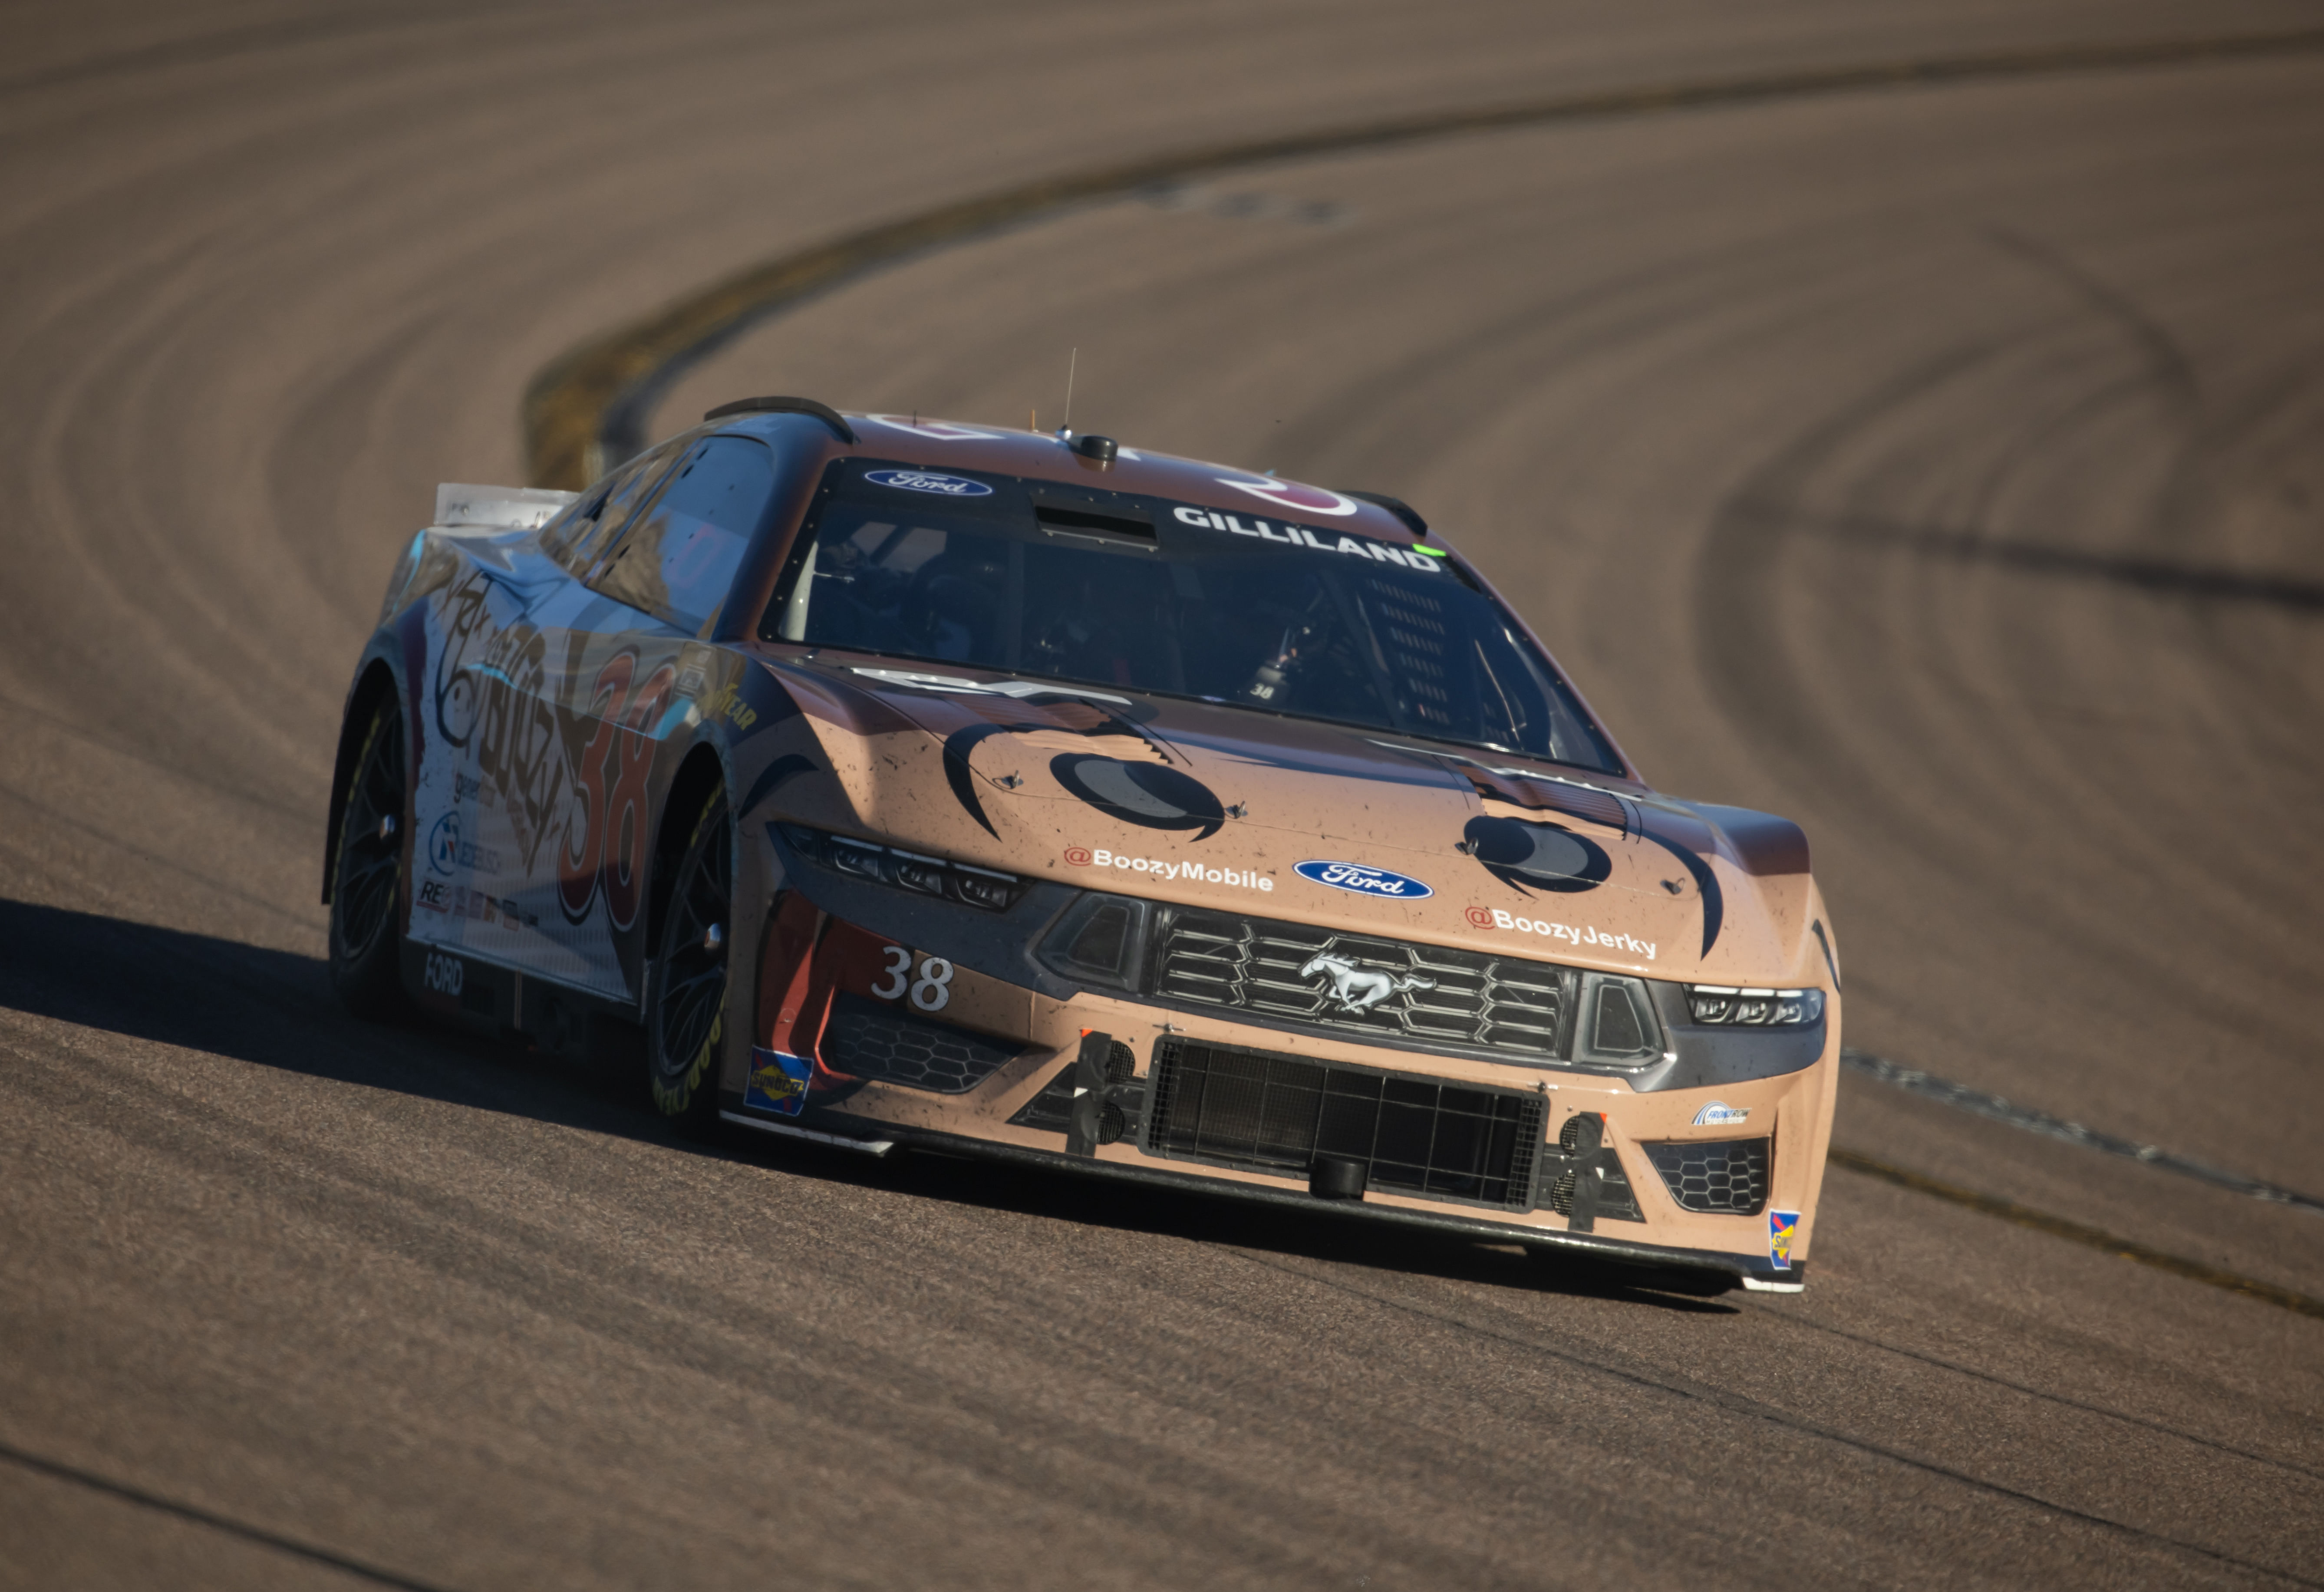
(368, 861)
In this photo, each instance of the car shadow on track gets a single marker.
(276, 1008)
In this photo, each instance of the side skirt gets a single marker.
(467, 992)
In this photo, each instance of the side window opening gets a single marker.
(580, 537)
(677, 558)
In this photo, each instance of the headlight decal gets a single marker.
(1720, 1006)
(921, 875)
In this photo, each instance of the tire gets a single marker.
(366, 941)
(686, 997)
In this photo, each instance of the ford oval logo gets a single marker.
(947, 486)
(1356, 878)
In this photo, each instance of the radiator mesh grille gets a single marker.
(1276, 1113)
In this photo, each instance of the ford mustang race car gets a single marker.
(893, 782)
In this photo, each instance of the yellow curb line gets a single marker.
(568, 404)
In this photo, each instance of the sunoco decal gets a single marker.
(1358, 880)
(929, 481)
(777, 1083)
(1783, 1226)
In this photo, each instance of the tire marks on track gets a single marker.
(58, 1471)
(1749, 1409)
(1940, 1363)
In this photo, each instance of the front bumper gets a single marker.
(1569, 1161)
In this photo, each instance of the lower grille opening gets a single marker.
(1275, 1113)
(869, 1039)
(1726, 1177)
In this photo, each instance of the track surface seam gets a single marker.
(1974, 1374)
(2059, 1227)
(1998, 1109)
(586, 410)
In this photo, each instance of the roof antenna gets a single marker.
(1067, 431)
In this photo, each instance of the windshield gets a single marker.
(1112, 589)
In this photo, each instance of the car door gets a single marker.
(660, 581)
(512, 647)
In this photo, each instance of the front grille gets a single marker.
(1724, 1176)
(868, 1039)
(1274, 1113)
(1386, 990)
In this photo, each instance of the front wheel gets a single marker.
(686, 999)
(367, 874)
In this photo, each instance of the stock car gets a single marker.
(898, 782)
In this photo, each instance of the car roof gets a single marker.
(936, 444)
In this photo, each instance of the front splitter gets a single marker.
(862, 1136)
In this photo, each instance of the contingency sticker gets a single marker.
(779, 1082)
(1782, 1225)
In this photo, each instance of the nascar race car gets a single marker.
(912, 783)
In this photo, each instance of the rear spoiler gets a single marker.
(500, 508)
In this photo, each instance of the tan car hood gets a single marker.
(1221, 806)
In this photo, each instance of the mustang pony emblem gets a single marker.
(1361, 988)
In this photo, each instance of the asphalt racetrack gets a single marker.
(1905, 418)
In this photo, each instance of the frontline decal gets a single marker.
(1299, 536)
(1719, 1113)
(1240, 879)
(1494, 917)
(1359, 880)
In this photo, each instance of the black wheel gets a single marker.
(366, 874)
(685, 1000)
